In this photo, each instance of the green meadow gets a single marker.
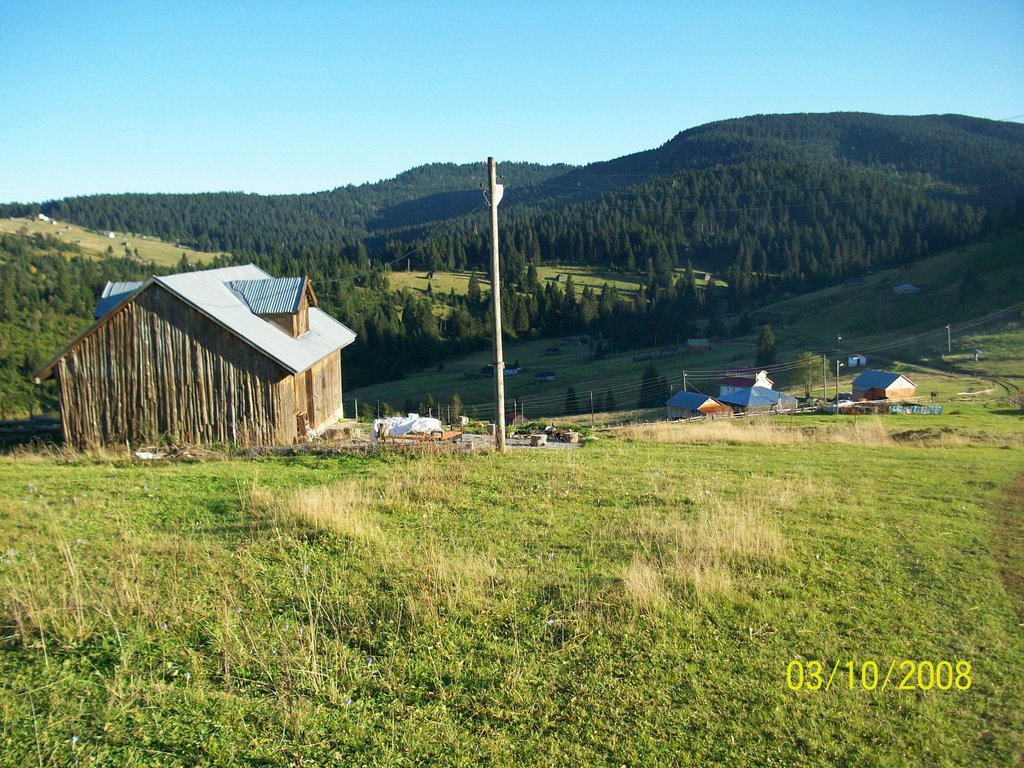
(583, 275)
(900, 333)
(150, 248)
(639, 601)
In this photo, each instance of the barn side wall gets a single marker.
(327, 390)
(904, 393)
(160, 370)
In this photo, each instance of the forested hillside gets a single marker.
(773, 206)
(48, 289)
(239, 222)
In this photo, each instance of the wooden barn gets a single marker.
(228, 355)
(880, 385)
(758, 400)
(687, 405)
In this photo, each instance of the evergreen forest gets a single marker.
(767, 207)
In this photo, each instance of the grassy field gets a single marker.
(150, 249)
(582, 275)
(573, 366)
(873, 319)
(900, 333)
(621, 375)
(636, 602)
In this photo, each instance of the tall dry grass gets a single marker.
(869, 431)
(343, 507)
(644, 583)
(705, 548)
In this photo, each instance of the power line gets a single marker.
(550, 400)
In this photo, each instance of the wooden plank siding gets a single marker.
(879, 393)
(327, 390)
(159, 370)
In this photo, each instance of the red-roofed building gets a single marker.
(743, 378)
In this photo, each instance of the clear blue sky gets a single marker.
(266, 97)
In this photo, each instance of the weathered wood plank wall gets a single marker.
(159, 369)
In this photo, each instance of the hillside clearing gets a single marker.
(150, 248)
(592, 276)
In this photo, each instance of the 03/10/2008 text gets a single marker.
(909, 675)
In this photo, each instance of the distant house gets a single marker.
(227, 355)
(111, 235)
(543, 376)
(698, 345)
(686, 405)
(856, 361)
(511, 370)
(758, 400)
(882, 385)
(906, 289)
(743, 378)
(43, 217)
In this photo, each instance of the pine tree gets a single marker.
(572, 405)
(650, 388)
(473, 291)
(609, 402)
(766, 346)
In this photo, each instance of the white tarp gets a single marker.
(397, 426)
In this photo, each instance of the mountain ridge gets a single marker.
(954, 149)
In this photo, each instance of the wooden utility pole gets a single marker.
(494, 196)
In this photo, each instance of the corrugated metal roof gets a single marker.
(689, 401)
(208, 292)
(271, 296)
(737, 381)
(758, 396)
(880, 379)
(113, 294)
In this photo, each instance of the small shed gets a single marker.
(856, 361)
(686, 405)
(882, 385)
(698, 345)
(758, 400)
(906, 289)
